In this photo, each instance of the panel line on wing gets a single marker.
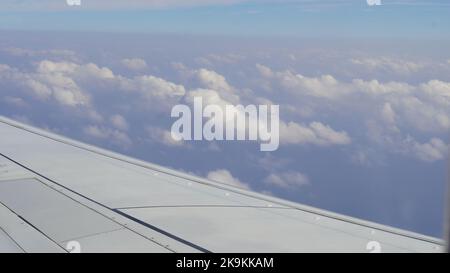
(181, 240)
(163, 232)
(11, 238)
(31, 225)
(202, 206)
(94, 234)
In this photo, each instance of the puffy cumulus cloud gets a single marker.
(433, 150)
(91, 70)
(119, 122)
(232, 113)
(213, 80)
(164, 137)
(92, 95)
(376, 88)
(328, 87)
(315, 133)
(392, 140)
(287, 180)
(392, 110)
(420, 114)
(208, 96)
(116, 137)
(58, 80)
(438, 91)
(134, 64)
(76, 71)
(224, 176)
(388, 64)
(151, 87)
(40, 89)
(72, 84)
(265, 71)
(46, 67)
(325, 86)
(53, 80)
(388, 114)
(209, 79)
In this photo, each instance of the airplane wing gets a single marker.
(60, 195)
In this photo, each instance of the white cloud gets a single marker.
(212, 97)
(151, 87)
(54, 80)
(209, 79)
(76, 71)
(438, 91)
(96, 132)
(164, 137)
(213, 80)
(325, 86)
(119, 122)
(265, 71)
(391, 110)
(15, 101)
(40, 89)
(47, 67)
(224, 176)
(94, 116)
(135, 64)
(391, 106)
(421, 114)
(287, 180)
(388, 64)
(59, 81)
(209, 97)
(315, 133)
(433, 150)
(77, 85)
(5, 68)
(91, 70)
(376, 88)
(391, 140)
(116, 137)
(388, 114)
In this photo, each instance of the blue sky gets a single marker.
(412, 19)
(364, 92)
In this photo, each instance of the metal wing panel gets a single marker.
(225, 229)
(19, 236)
(7, 244)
